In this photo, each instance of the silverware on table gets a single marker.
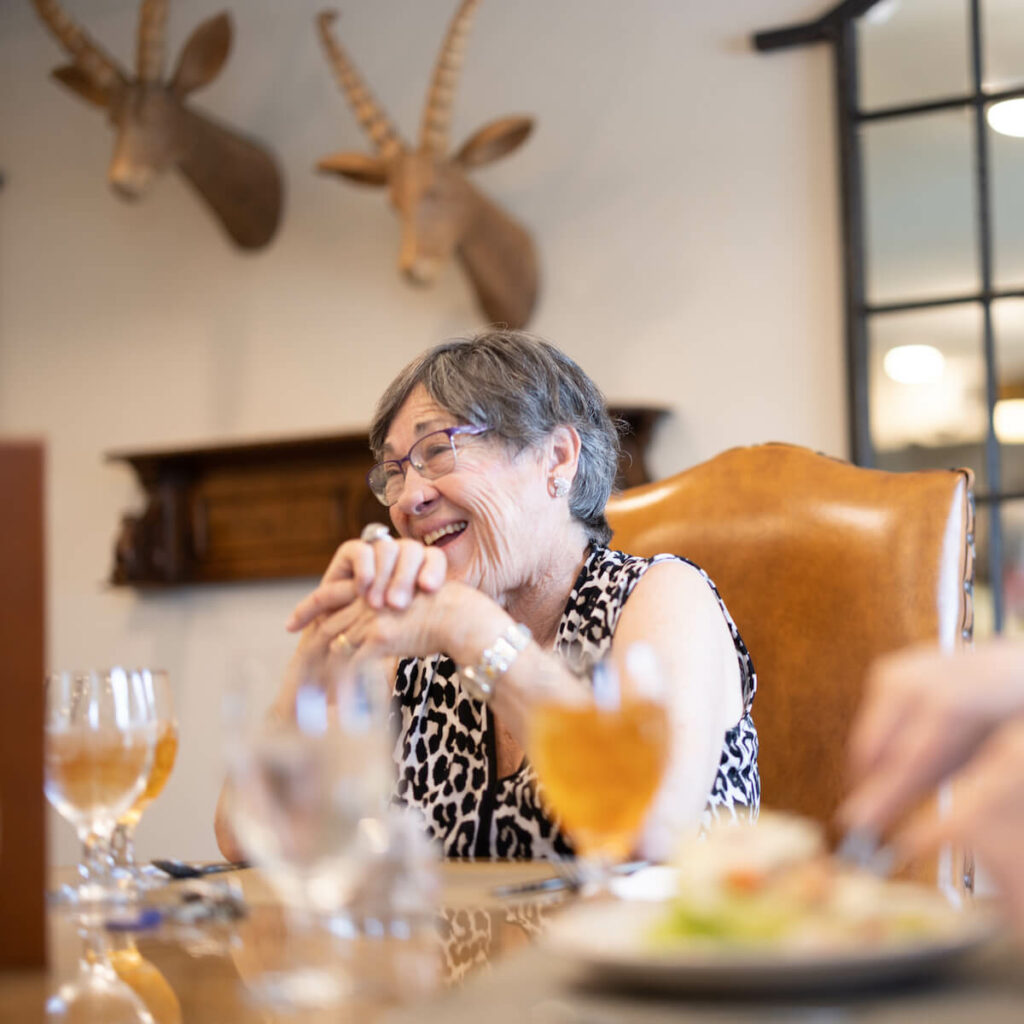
(570, 878)
(182, 869)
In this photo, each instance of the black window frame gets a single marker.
(837, 27)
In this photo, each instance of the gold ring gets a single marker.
(374, 532)
(341, 645)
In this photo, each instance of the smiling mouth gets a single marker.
(445, 531)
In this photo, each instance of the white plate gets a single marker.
(609, 942)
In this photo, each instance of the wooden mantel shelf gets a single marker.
(272, 509)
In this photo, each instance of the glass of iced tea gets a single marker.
(600, 755)
(157, 685)
(100, 739)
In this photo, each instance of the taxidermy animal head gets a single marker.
(441, 212)
(155, 127)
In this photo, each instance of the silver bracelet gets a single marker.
(479, 680)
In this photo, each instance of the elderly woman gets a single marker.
(495, 458)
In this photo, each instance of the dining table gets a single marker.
(479, 956)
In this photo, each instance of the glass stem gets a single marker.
(95, 946)
(595, 875)
(95, 866)
(122, 846)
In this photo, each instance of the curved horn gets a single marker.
(150, 53)
(101, 68)
(368, 111)
(437, 114)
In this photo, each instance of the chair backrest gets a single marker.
(824, 566)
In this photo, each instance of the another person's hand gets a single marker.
(987, 816)
(925, 715)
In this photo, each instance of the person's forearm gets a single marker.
(227, 843)
(471, 623)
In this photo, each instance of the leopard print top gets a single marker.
(445, 746)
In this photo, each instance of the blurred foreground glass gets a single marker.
(600, 758)
(157, 685)
(100, 738)
(308, 804)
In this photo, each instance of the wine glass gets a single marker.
(157, 685)
(307, 802)
(100, 737)
(600, 753)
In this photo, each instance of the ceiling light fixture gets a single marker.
(1008, 420)
(914, 364)
(1007, 117)
(881, 12)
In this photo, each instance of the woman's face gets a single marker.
(489, 514)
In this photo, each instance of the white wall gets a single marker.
(681, 189)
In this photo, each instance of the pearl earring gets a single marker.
(559, 486)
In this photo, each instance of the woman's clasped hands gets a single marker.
(369, 588)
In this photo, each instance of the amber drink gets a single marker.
(163, 763)
(92, 775)
(600, 768)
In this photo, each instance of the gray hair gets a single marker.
(522, 388)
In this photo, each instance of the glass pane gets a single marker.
(1002, 31)
(1013, 566)
(1007, 177)
(919, 211)
(913, 50)
(926, 380)
(984, 605)
(1008, 331)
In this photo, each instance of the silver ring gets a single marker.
(374, 532)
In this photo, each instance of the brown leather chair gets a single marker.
(824, 566)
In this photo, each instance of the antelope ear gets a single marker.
(494, 140)
(368, 170)
(203, 55)
(78, 81)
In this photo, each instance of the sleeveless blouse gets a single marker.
(445, 747)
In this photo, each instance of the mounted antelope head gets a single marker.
(441, 212)
(156, 129)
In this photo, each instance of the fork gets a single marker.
(863, 848)
(571, 877)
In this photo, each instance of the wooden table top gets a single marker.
(475, 963)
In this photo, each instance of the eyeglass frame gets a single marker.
(450, 432)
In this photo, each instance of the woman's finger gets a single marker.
(904, 775)
(353, 560)
(385, 554)
(325, 600)
(342, 632)
(412, 557)
(898, 692)
(340, 565)
(434, 570)
(880, 720)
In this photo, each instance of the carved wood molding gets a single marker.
(270, 510)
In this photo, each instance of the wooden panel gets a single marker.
(22, 647)
(271, 510)
(244, 512)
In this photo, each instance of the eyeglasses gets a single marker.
(432, 456)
